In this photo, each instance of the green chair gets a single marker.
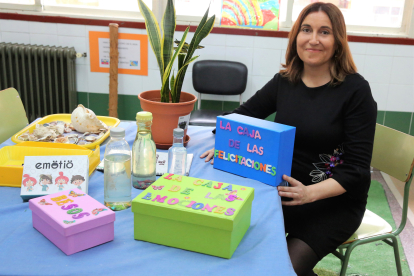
(12, 114)
(393, 154)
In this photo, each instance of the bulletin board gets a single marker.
(132, 48)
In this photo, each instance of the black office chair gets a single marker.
(217, 77)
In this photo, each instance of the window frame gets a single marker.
(158, 6)
(103, 13)
(76, 12)
(405, 31)
(37, 6)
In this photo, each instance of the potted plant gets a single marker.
(169, 103)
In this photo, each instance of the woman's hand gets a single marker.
(297, 191)
(209, 155)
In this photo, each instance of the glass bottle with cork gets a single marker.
(143, 153)
(117, 171)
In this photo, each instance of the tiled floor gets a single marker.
(394, 191)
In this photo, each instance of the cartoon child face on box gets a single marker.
(61, 180)
(44, 181)
(29, 182)
(77, 180)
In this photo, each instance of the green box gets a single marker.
(195, 214)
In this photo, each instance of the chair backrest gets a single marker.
(219, 77)
(393, 154)
(12, 114)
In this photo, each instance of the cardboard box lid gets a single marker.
(193, 200)
(254, 148)
(71, 212)
(257, 123)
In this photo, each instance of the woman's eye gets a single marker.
(325, 32)
(306, 30)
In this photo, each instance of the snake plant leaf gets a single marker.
(181, 58)
(186, 45)
(172, 81)
(178, 83)
(167, 71)
(165, 92)
(200, 35)
(153, 31)
(168, 28)
(183, 51)
(200, 27)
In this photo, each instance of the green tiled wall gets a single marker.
(211, 105)
(398, 120)
(83, 99)
(230, 106)
(380, 117)
(271, 117)
(99, 103)
(128, 106)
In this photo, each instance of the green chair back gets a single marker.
(12, 114)
(393, 154)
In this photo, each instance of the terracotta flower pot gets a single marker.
(165, 115)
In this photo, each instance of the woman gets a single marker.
(331, 106)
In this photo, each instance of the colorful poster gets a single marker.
(132, 49)
(260, 14)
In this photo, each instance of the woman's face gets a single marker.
(315, 42)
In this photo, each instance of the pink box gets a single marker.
(72, 220)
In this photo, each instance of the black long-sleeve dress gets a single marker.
(335, 128)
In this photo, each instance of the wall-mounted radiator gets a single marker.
(44, 76)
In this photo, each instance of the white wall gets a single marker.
(388, 68)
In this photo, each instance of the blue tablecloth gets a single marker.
(263, 251)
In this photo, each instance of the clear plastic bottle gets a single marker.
(143, 153)
(117, 171)
(177, 154)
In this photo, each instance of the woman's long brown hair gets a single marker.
(342, 62)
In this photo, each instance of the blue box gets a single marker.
(254, 148)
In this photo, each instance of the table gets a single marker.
(263, 251)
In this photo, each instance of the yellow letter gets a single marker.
(174, 188)
(178, 178)
(198, 182)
